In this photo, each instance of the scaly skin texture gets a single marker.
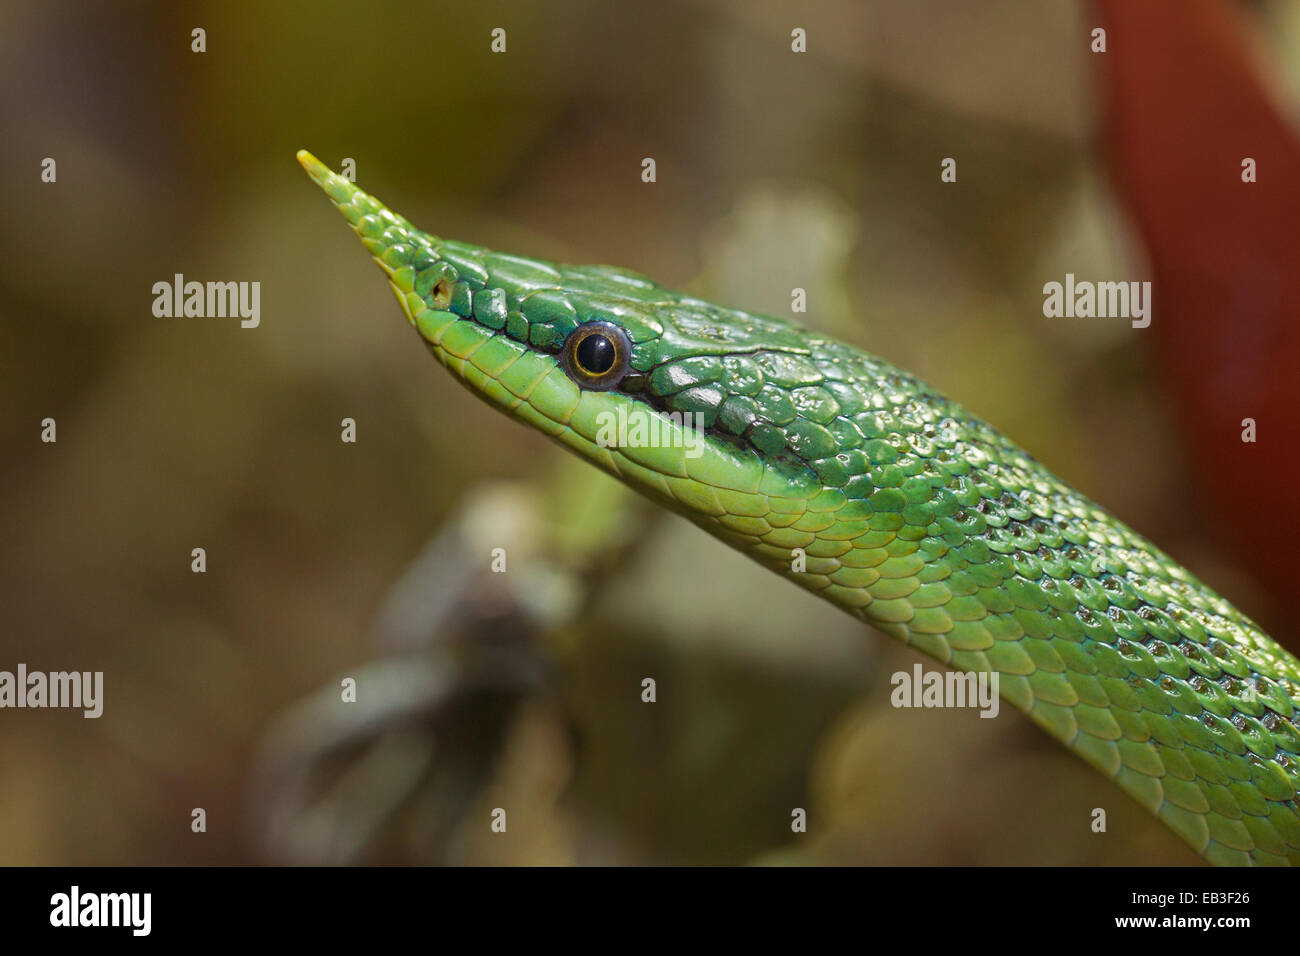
(913, 515)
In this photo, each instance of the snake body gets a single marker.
(861, 483)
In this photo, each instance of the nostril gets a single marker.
(442, 294)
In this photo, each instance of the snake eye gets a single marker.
(596, 355)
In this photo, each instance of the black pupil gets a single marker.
(596, 354)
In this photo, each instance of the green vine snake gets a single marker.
(864, 485)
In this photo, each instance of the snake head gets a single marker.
(631, 375)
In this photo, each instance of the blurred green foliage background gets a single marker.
(774, 170)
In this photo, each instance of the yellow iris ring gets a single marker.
(584, 376)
